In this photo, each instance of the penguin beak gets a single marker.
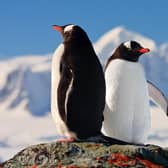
(57, 28)
(143, 50)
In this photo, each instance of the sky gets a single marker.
(25, 26)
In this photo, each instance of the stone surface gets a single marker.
(88, 155)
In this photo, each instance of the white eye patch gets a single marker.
(68, 28)
(128, 44)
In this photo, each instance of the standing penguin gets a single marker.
(127, 113)
(78, 85)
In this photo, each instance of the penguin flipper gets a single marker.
(63, 89)
(158, 97)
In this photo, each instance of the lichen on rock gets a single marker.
(87, 155)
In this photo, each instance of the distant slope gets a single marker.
(25, 93)
(26, 79)
(155, 63)
(105, 45)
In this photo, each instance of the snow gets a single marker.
(159, 128)
(25, 104)
(105, 45)
(20, 129)
(25, 117)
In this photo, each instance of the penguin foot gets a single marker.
(69, 139)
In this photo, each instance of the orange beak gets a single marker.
(57, 28)
(143, 50)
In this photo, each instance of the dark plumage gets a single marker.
(81, 89)
(130, 51)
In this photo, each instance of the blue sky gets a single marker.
(25, 26)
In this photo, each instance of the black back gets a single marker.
(86, 99)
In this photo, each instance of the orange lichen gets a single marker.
(148, 163)
(34, 166)
(121, 160)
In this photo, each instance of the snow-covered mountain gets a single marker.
(110, 40)
(25, 92)
(26, 79)
(155, 63)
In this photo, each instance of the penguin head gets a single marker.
(71, 33)
(131, 51)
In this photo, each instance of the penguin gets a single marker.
(127, 113)
(77, 85)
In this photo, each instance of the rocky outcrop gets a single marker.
(88, 155)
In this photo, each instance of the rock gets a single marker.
(87, 155)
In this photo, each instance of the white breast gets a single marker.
(55, 78)
(126, 115)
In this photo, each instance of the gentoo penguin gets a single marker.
(127, 113)
(78, 85)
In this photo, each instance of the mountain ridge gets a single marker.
(26, 77)
(25, 94)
